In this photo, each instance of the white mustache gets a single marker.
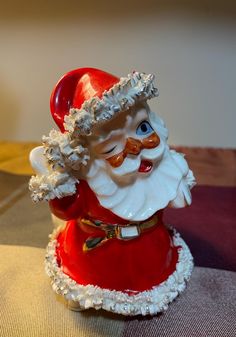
(153, 154)
(130, 165)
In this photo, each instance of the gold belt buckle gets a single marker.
(127, 232)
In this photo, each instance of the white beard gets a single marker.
(136, 196)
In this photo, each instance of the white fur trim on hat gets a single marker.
(136, 87)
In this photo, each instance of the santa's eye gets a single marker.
(144, 128)
(109, 151)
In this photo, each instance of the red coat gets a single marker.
(128, 265)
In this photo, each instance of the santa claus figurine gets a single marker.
(109, 174)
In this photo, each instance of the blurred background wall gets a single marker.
(189, 45)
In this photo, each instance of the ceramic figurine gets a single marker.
(108, 173)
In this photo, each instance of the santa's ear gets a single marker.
(38, 160)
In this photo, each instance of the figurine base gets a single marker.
(74, 306)
(149, 302)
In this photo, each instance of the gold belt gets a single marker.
(125, 232)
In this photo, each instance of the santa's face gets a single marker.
(128, 146)
(131, 169)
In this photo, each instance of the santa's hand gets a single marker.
(72, 206)
(183, 197)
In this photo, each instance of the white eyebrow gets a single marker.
(111, 135)
(142, 115)
(129, 121)
(118, 131)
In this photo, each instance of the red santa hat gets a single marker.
(86, 96)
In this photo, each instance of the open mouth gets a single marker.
(145, 166)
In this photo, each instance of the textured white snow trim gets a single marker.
(148, 302)
(54, 185)
(62, 151)
(136, 87)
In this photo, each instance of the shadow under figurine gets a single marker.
(108, 174)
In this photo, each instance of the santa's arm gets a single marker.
(70, 207)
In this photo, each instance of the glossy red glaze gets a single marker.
(131, 266)
(76, 87)
(83, 204)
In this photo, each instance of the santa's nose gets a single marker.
(133, 146)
